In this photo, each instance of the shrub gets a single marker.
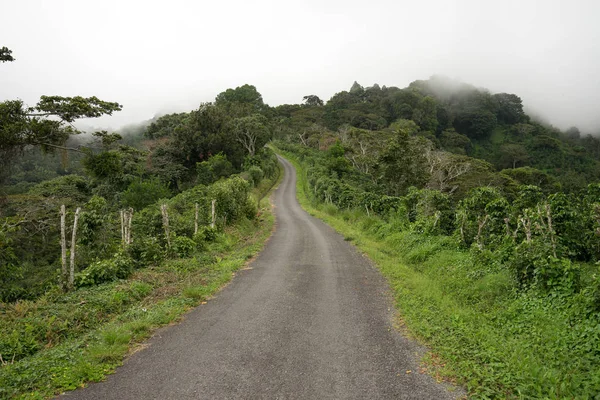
(142, 193)
(215, 168)
(231, 197)
(118, 267)
(145, 251)
(208, 234)
(256, 174)
(534, 265)
(183, 246)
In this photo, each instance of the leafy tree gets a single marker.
(425, 114)
(165, 125)
(252, 132)
(47, 124)
(512, 154)
(312, 101)
(5, 54)
(455, 142)
(142, 193)
(356, 89)
(402, 163)
(532, 176)
(477, 124)
(203, 133)
(213, 169)
(241, 101)
(510, 108)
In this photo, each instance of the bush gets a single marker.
(183, 246)
(145, 251)
(533, 264)
(109, 270)
(141, 193)
(231, 197)
(256, 174)
(74, 187)
(208, 234)
(215, 168)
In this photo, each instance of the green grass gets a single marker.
(67, 340)
(484, 334)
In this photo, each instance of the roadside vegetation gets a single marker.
(501, 332)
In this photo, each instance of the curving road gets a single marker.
(311, 319)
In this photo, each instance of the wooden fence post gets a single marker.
(213, 214)
(63, 247)
(196, 220)
(73, 243)
(122, 214)
(165, 215)
(129, 226)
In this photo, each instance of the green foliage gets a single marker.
(532, 176)
(208, 234)
(480, 216)
(252, 132)
(104, 165)
(10, 270)
(508, 319)
(455, 142)
(232, 201)
(118, 267)
(48, 124)
(165, 125)
(146, 250)
(74, 187)
(432, 211)
(183, 246)
(96, 231)
(213, 169)
(243, 100)
(256, 175)
(402, 163)
(142, 193)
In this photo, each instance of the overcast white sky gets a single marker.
(157, 56)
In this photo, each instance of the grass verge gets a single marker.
(84, 335)
(484, 334)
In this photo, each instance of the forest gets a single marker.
(487, 219)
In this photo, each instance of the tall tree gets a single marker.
(241, 101)
(312, 100)
(251, 132)
(47, 124)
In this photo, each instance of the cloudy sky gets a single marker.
(163, 56)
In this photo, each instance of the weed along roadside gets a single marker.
(497, 339)
(63, 340)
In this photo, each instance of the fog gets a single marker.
(164, 56)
